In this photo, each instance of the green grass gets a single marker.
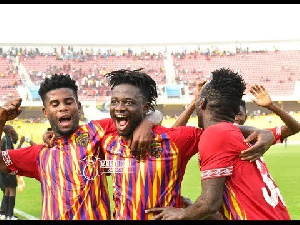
(283, 164)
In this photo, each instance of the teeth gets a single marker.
(120, 116)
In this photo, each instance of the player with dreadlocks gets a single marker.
(157, 180)
(73, 184)
(239, 189)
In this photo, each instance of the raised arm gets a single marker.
(262, 98)
(9, 111)
(186, 114)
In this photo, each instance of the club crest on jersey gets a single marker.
(83, 139)
(156, 149)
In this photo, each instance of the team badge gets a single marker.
(156, 149)
(83, 139)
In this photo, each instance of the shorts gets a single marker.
(8, 180)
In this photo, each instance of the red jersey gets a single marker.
(250, 192)
(155, 182)
(73, 184)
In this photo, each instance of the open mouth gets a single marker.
(65, 121)
(121, 122)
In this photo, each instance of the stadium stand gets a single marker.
(176, 70)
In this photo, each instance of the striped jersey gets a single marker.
(73, 184)
(250, 192)
(155, 182)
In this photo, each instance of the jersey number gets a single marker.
(270, 192)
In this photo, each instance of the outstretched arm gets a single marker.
(262, 98)
(185, 116)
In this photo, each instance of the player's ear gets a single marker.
(45, 112)
(202, 103)
(146, 108)
(79, 107)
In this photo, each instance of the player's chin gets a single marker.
(66, 131)
(123, 132)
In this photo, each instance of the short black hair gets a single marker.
(7, 128)
(137, 78)
(57, 81)
(224, 93)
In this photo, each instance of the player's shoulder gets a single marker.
(160, 128)
(179, 132)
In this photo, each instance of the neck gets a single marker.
(209, 121)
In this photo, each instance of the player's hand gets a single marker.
(141, 141)
(185, 202)
(199, 86)
(262, 97)
(261, 140)
(167, 213)
(11, 109)
(48, 138)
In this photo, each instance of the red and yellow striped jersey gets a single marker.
(73, 184)
(155, 182)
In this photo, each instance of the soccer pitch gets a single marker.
(283, 164)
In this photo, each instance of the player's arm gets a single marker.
(27, 139)
(9, 111)
(262, 98)
(21, 142)
(186, 114)
(142, 135)
(260, 141)
(185, 202)
(207, 204)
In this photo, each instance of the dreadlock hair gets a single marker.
(137, 78)
(224, 94)
(57, 81)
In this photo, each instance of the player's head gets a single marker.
(241, 117)
(11, 132)
(133, 95)
(220, 98)
(61, 105)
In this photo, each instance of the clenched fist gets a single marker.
(11, 109)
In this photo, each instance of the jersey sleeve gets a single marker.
(107, 125)
(277, 134)
(217, 152)
(187, 139)
(23, 161)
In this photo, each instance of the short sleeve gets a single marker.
(23, 161)
(187, 139)
(217, 151)
(107, 125)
